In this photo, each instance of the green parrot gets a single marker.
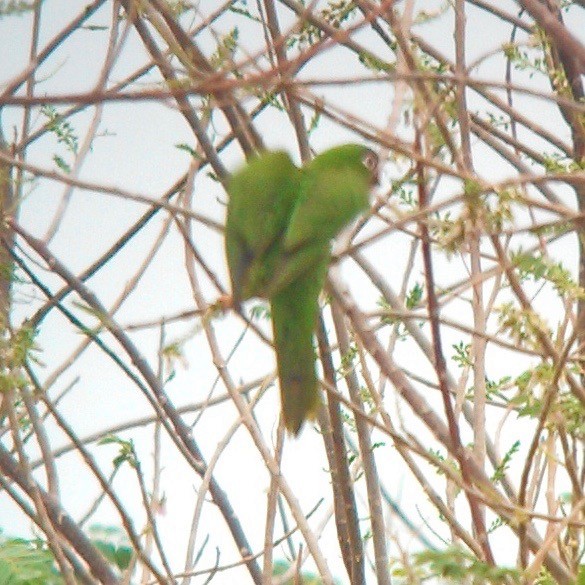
(279, 226)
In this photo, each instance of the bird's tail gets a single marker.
(294, 317)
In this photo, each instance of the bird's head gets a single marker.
(355, 156)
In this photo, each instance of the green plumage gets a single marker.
(335, 189)
(262, 199)
(279, 225)
(295, 310)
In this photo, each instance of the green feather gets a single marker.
(279, 225)
(295, 310)
(335, 189)
(262, 198)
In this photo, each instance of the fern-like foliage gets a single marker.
(26, 562)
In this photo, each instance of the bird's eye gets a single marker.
(371, 162)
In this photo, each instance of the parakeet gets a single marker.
(280, 222)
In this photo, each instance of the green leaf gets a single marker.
(462, 353)
(14, 8)
(455, 565)
(62, 129)
(189, 149)
(414, 296)
(243, 10)
(26, 562)
(113, 544)
(60, 162)
(126, 454)
(504, 465)
(120, 556)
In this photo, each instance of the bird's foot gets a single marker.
(224, 303)
(221, 306)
